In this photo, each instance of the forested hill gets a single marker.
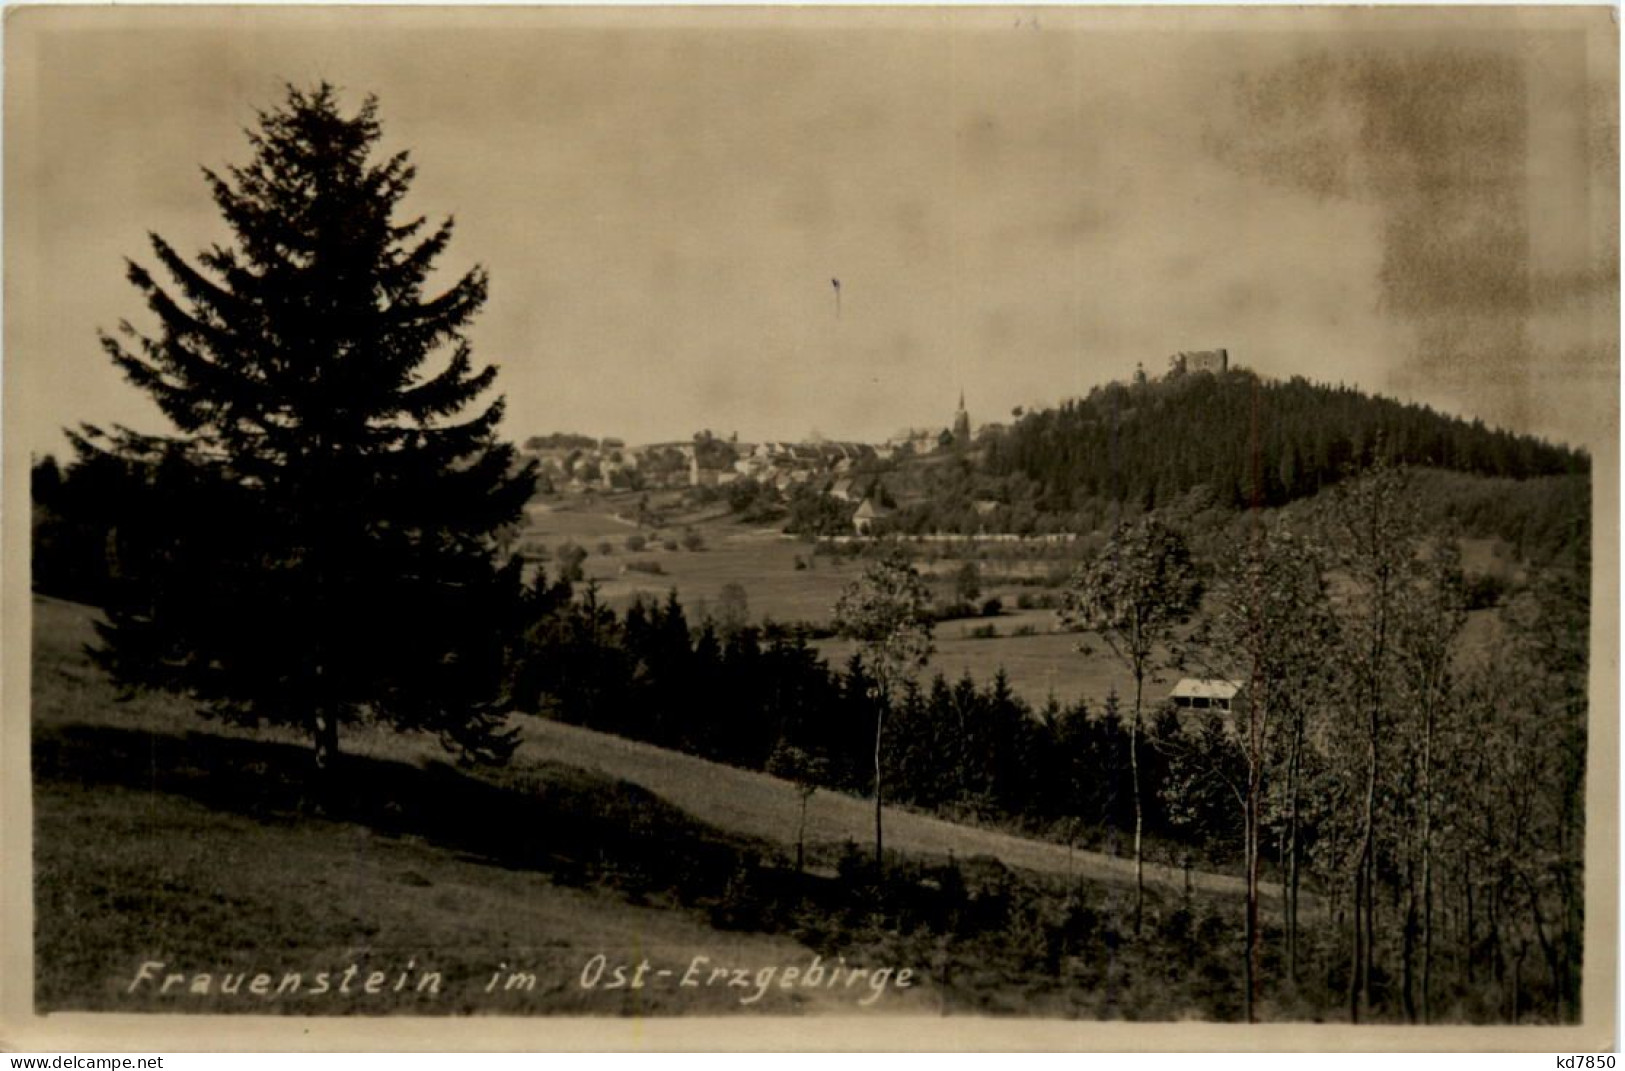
(1251, 440)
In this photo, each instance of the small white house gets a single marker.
(1202, 693)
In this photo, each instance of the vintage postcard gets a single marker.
(810, 528)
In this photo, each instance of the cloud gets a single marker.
(1450, 143)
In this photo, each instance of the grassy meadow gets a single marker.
(1041, 662)
(163, 838)
(159, 837)
(763, 560)
(1038, 666)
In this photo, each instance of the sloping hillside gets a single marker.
(1227, 441)
(168, 846)
(1249, 439)
(766, 808)
(164, 844)
(741, 803)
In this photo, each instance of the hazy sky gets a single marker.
(1018, 205)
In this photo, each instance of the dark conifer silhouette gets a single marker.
(321, 539)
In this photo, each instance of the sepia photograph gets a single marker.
(810, 528)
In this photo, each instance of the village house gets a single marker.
(863, 521)
(1204, 693)
(915, 440)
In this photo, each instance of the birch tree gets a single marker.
(1133, 596)
(887, 611)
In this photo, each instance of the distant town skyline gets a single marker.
(1017, 204)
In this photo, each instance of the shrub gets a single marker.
(854, 866)
(983, 632)
(763, 511)
(669, 544)
(1485, 592)
(968, 582)
(1024, 630)
(1041, 600)
(692, 540)
(571, 555)
(741, 906)
(606, 548)
(733, 608)
(992, 608)
(635, 542)
(645, 565)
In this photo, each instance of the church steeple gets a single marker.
(961, 422)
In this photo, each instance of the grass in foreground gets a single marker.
(151, 848)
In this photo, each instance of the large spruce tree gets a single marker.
(320, 540)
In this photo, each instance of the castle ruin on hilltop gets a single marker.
(1214, 361)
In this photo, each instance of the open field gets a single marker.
(1044, 663)
(763, 561)
(1038, 666)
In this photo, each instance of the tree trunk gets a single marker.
(1139, 809)
(1493, 912)
(1571, 853)
(1427, 865)
(1365, 891)
(1280, 870)
(1250, 847)
(1369, 962)
(1250, 843)
(880, 718)
(1357, 952)
(1291, 897)
(1364, 895)
(1472, 935)
(1517, 984)
(1410, 924)
(1548, 948)
(325, 733)
(801, 835)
